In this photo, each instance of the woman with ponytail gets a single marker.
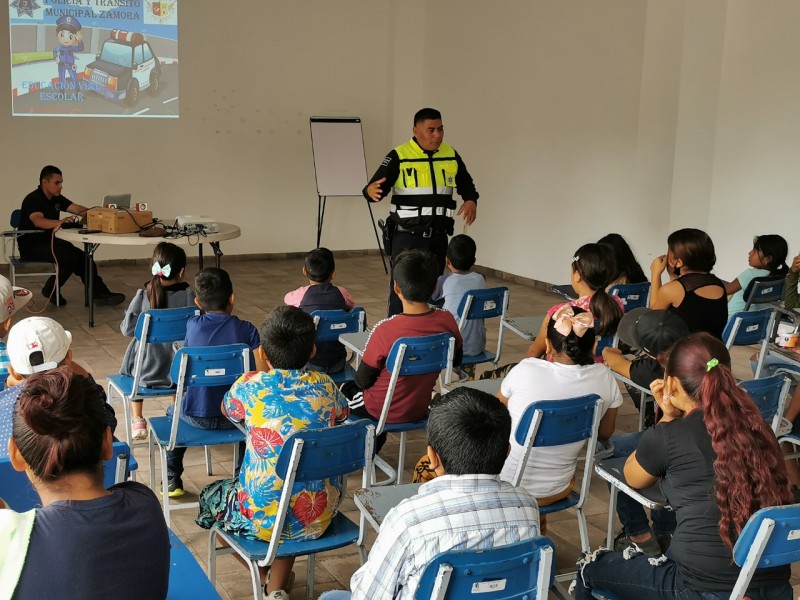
(570, 372)
(166, 289)
(84, 537)
(593, 270)
(718, 462)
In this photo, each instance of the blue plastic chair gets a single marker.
(750, 327)
(764, 290)
(770, 395)
(167, 325)
(15, 262)
(768, 540)
(633, 295)
(521, 571)
(412, 356)
(484, 304)
(204, 366)
(548, 423)
(308, 455)
(19, 494)
(331, 324)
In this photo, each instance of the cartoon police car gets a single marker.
(125, 66)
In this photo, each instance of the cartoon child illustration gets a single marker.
(68, 31)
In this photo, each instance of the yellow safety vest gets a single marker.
(425, 185)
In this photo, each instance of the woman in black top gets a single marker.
(718, 463)
(693, 293)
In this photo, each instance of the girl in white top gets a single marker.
(570, 372)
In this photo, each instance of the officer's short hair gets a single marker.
(48, 172)
(427, 114)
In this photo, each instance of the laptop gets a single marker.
(118, 200)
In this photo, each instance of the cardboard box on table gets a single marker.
(115, 220)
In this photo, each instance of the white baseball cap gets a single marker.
(12, 299)
(37, 334)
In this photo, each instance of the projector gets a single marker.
(194, 223)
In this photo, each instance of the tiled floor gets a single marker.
(259, 287)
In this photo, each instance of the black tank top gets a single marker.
(702, 314)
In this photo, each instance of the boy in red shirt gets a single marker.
(415, 273)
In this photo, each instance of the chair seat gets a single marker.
(478, 358)
(341, 532)
(346, 374)
(564, 504)
(186, 577)
(21, 262)
(401, 427)
(189, 435)
(124, 385)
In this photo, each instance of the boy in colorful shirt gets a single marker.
(274, 402)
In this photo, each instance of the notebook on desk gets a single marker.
(117, 201)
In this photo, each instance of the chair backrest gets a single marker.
(520, 571)
(750, 327)
(314, 454)
(205, 366)
(158, 326)
(485, 304)
(417, 356)
(331, 324)
(633, 295)
(16, 217)
(18, 492)
(769, 539)
(555, 423)
(764, 290)
(769, 395)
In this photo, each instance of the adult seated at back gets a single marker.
(692, 293)
(41, 210)
(86, 541)
(36, 345)
(466, 507)
(718, 463)
(628, 268)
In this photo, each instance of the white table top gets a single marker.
(376, 502)
(524, 327)
(226, 231)
(355, 342)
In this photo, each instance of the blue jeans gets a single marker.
(772, 362)
(175, 457)
(637, 578)
(336, 595)
(631, 514)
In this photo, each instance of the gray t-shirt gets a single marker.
(451, 288)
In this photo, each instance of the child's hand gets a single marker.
(658, 265)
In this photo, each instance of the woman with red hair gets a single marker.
(718, 463)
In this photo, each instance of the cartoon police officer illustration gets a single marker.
(70, 41)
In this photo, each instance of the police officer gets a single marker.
(422, 175)
(70, 40)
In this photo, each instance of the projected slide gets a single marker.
(94, 58)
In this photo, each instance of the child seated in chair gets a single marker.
(415, 275)
(215, 327)
(466, 507)
(321, 294)
(452, 287)
(274, 402)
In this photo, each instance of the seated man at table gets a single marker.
(41, 210)
(465, 507)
